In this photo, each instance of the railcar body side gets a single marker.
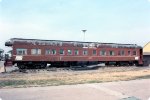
(33, 52)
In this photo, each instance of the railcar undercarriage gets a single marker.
(73, 64)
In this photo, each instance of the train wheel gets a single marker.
(43, 65)
(22, 67)
(37, 67)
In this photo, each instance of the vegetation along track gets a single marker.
(58, 76)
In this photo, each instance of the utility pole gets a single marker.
(84, 34)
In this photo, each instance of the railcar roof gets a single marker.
(80, 42)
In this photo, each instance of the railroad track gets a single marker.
(78, 68)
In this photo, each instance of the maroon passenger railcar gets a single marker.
(36, 53)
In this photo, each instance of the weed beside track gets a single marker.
(33, 78)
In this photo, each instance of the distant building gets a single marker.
(146, 54)
(1, 53)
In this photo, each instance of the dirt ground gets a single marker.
(54, 77)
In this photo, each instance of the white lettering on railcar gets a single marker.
(136, 58)
(19, 57)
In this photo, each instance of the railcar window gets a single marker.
(134, 52)
(111, 53)
(53, 51)
(21, 51)
(69, 52)
(121, 53)
(85, 52)
(76, 52)
(36, 51)
(62, 52)
(47, 51)
(102, 52)
(129, 52)
(94, 52)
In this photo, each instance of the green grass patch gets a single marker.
(7, 83)
(143, 77)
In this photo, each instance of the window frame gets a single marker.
(121, 53)
(68, 52)
(129, 53)
(63, 52)
(22, 49)
(102, 52)
(85, 52)
(94, 53)
(134, 53)
(47, 51)
(76, 52)
(37, 51)
(111, 53)
(53, 52)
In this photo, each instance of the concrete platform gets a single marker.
(123, 90)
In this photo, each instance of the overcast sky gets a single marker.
(116, 21)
